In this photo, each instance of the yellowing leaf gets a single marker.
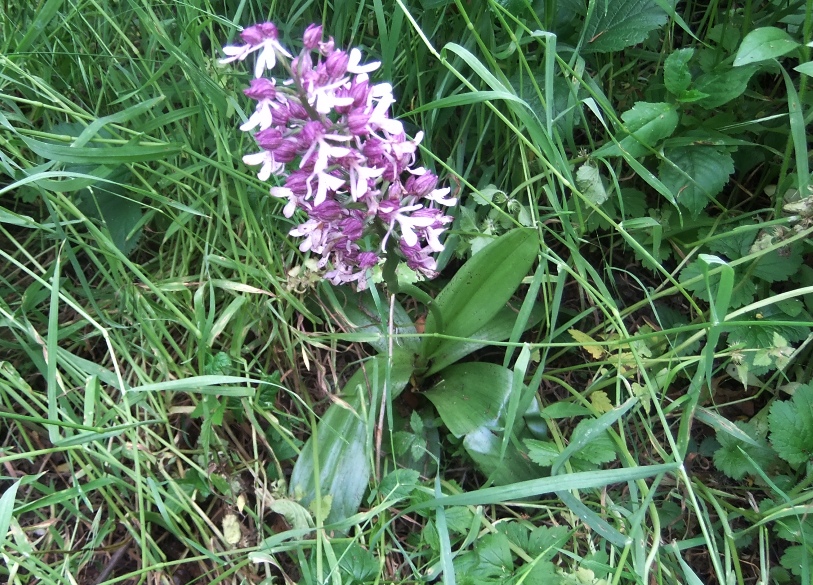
(601, 402)
(231, 529)
(589, 344)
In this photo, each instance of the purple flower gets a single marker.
(348, 165)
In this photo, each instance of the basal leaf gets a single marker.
(340, 448)
(480, 289)
(621, 23)
(723, 85)
(791, 424)
(676, 74)
(484, 447)
(471, 395)
(696, 174)
(644, 126)
(764, 43)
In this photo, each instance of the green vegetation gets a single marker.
(608, 383)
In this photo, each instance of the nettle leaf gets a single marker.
(743, 293)
(764, 43)
(647, 124)
(621, 23)
(676, 74)
(723, 85)
(791, 424)
(696, 174)
(731, 460)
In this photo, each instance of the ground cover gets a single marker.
(608, 381)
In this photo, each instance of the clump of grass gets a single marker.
(161, 365)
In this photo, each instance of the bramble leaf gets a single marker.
(621, 23)
(764, 43)
(791, 424)
(697, 174)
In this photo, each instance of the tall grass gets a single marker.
(161, 364)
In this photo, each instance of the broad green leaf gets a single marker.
(357, 562)
(676, 74)
(743, 293)
(791, 425)
(805, 68)
(471, 395)
(340, 450)
(778, 265)
(616, 25)
(764, 43)
(644, 126)
(480, 289)
(723, 85)
(696, 174)
(599, 449)
(497, 329)
(590, 183)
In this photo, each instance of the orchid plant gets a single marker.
(346, 163)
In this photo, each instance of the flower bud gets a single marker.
(312, 37)
(261, 89)
(336, 64)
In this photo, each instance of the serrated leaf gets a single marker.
(544, 541)
(676, 74)
(357, 562)
(600, 449)
(778, 265)
(796, 559)
(542, 453)
(645, 124)
(601, 402)
(742, 294)
(589, 182)
(722, 86)
(730, 457)
(791, 424)
(587, 343)
(736, 244)
(398, 484)
(494, 552)
(764, 43)
(621, 23)
(697, 174)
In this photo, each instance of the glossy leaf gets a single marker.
(471, 395)
(480, 289)
(484, 447)
(497, 329)
(340, 450)
(764, 43)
